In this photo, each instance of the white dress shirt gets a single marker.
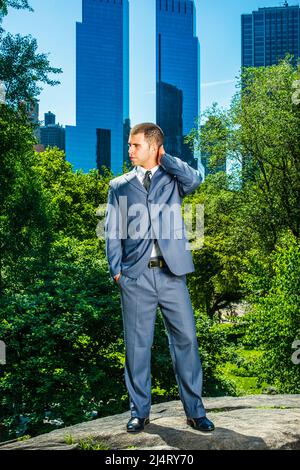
(140, 173)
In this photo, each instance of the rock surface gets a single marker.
(250, 422)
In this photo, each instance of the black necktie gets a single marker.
(147, 180)
(146, 183)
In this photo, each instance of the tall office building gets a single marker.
(269, 34)
(177, 74)
(102, 87)
(52, 134)
(49, 118)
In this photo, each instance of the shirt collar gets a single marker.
(141, 171)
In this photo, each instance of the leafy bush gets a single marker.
(274, 323)
(64, 343)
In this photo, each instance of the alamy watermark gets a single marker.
(296, 354)
(296, 94)
(2, 352)
(2, 93)
(155, 221)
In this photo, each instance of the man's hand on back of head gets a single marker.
(161, 152)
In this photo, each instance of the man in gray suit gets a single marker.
(149, 257)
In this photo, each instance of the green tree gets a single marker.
(246, 211)
(274, 323)
(214, 135)
(59, 314)
(22, 69)
(252, 217)
(269, 134)
(227, 239)
(25, 230)
(73, 196)
(260, 134)
(18, 4)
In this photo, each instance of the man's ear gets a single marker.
(154, 148)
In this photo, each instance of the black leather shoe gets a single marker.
(137, 424)
(201, 424)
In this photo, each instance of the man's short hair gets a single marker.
(152, 132)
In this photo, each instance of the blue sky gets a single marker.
(218, 29)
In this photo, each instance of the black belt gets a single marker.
(157, 263)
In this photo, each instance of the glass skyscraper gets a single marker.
(52, 134)
(102, 87)
(177, 74)
(269, 34)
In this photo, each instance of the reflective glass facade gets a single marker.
(102, 87)
(269, 34)
(177, 74)
(52, 135)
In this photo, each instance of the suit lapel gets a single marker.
(159, 179)
(133, 179)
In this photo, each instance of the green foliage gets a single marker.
(215, 282)
(22, 69)
(63, 338)
(18, 4)
(24, 438)
(73, 197)
(269, 133)
(60, 315)
(69, 439)
(88, 443)
(214, 138)
(91, 444)
(274, 322)
(243, 221)
(212, 342)
(241, 371)
(247, 217)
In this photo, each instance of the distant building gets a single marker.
(177, 74)
(269, 34)
(51, 134)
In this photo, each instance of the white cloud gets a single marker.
(221, 82)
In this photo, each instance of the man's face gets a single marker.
(140, 152)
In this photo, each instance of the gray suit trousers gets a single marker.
(140, 298)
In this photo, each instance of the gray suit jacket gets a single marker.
(134, 218)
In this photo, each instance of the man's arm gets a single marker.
(113, 243)
(188, 178)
